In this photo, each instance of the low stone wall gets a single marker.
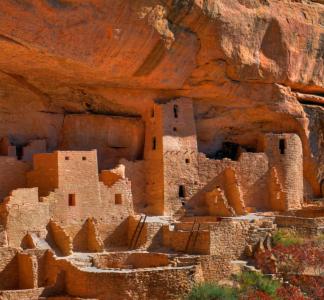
(177, 240)
(214, 268)
(144, 284)
(230, 238)
(301, 225)
(30, 294)
(126, 260)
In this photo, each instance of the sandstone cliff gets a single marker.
(242, 61)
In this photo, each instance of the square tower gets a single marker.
(171, 156)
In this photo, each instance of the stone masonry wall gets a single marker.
(129, 285)
(45, 173)
(251, 170)
(22, 213)
(8, 269)
(153, 155)
(285, 153)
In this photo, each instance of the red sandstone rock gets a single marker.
(189, 109)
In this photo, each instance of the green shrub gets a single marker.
(257, 281)
(286, 238)
(211, 291)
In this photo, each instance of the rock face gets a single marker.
(241, 61)
(178, 109)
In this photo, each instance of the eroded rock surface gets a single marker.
(186, 111)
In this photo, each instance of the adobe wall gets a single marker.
(303, 225)
(180, 170)
(113, 137)
(31, 294)
(170, 142)
(12, 175)
(113, 216)
(123, 285)
(251, 171)
(285, 153)
(177, 240)
(78, 182)
(151, 237)
(76, 194)
(78, 175)
(8, 269)
(242, 232)
(179, 153)
(22, 213)
(135, 171)
(45, 173)
(126, 260)
(214, 268)
(153, 156)
(110, 217)
(179, 126)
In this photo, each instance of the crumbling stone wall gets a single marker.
(124, 285)
(136, 173)
(8, 269)
(22, 213)
(285, 153)
(243, 232)
(251, 171)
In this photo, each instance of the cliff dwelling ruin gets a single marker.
(147, 146)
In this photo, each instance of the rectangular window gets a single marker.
(118, 199)
(282, 146)
(154, 143)
(175, 111)
(72, 201)
(182, 191)
(19, 152)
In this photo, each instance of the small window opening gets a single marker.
(72, 201)
(118, 199)
(84, 158)
(182, 192)
(19, 152)
(154, 143)
(282, 146)
(67, 158)
(187, 160)
(152, 113)
(174, 129)
(175, 111)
